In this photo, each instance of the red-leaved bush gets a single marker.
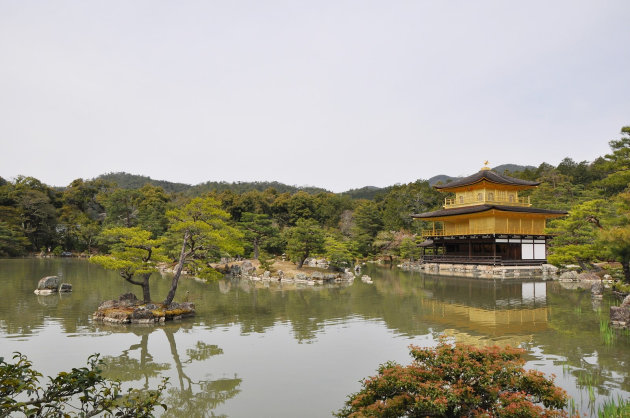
(458, 381)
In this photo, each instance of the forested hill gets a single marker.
(241, 187)
(135, 181)
(513, 168)
(367, 192)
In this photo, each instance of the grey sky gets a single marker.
(337, 94)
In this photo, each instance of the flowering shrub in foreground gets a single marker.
(458, 381)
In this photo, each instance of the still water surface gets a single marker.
(284, 351)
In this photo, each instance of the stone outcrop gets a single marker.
(588, 277)
(620, 315)
(247, 268)
(549, 271)
(128, 309)
(569, 276)
(52, 284)
(316, 262)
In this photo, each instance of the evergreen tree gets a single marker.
(338, 252)
(134, 254)
(257, 227)
(203, 232)
(306, 238)
(617, 238)
(576, 235)
(617, 164)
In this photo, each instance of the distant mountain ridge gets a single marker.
(240, 187)
(367, 192)
(135, 181)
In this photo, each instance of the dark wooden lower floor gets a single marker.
(486, 249)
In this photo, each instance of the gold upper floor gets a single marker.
(484, 196)
(490, 222)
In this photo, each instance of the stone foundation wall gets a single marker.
(483, 271)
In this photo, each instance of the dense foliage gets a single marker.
(457, 381)
(80, 392)
(360, 223)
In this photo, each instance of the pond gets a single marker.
(260, 349)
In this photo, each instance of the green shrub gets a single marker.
(21, 392)
(621, 287)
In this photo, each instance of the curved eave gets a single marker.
(446, 214)
(490, 177)
(479, 184)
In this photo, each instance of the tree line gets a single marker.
(35, 217)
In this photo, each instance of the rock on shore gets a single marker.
(620, 315)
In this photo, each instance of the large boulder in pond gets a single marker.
(49, 283)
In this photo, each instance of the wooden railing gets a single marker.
(457, 203)
(456, 230)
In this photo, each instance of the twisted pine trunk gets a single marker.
(178, 271)
(144, 284)
(146, 291)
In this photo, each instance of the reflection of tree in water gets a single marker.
(184, 396)
(210, 394)
(126, 368)
(185, 400)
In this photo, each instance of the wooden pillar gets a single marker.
(469, 247)
(494, 251)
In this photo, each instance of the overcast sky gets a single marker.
(336, 94)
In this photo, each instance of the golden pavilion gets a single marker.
(487, 222)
